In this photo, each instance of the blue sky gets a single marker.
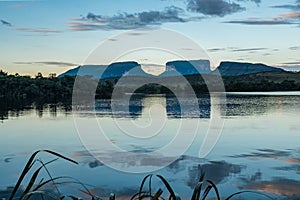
(56, 35)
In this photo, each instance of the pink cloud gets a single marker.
(291, 15)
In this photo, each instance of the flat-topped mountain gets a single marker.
(173, 68)
(183, 67)
(238, 69)
(113, 70)
(236, 77)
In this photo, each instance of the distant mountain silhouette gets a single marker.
(85, 70)
(238, 69)
(120, 69)
(173, 68)
(114, 70)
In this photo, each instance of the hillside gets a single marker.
(182, 67)
(249, 77)
(239, 69)
(173, 68)
(113, 70)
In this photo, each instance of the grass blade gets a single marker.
(45, 167)
(34, 176)
(248, 191)
(206, 192)
(197, 191)
(28, 166)
(143, 182)
(215, 189)
(172, 193)
(23, 174)
(157, 194)
(31, 182)
(61, 156)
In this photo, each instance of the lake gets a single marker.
(258, 148)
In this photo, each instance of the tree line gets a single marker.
(25, 87)
(53, 89)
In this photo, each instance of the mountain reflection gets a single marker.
(139, 105)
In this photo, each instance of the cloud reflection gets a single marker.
(279, 186)
(216, 171)
(265, 153)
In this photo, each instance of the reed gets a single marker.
(199, 193)
(35, 189)
(146, 191)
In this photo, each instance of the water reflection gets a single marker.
(216, 171)
(184, 172)
(259, 149)
(16, 108)
(236, 105)
(283, 180)
(280, 186)
(249, 105)
(139, 106)
(265, 153)
(294, 168)
(13, 108)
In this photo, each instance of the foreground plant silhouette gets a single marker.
(197, 195)
(35, 189)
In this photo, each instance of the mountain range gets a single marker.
(173, 68)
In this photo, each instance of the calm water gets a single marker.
(259, 148)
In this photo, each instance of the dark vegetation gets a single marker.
(53, 89)
(265, 81)
(30, 185)
(25, 87)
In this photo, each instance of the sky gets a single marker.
(52, 36)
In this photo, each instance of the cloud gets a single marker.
(250, 49)
(291, 15)
(135, 33)
(58, 64)
(144, 19)
(127, 21)
(291, 63)
(214, 7)
(294, 48)
(216, 49)
(236, 49)
(260, 22)
(82, 26)
(266, 54)
(287, 6)
(295, 6)
(5, 23)
(290, 66)
(19, 5)
(255, 1)
(283, 19)
(41, 30)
